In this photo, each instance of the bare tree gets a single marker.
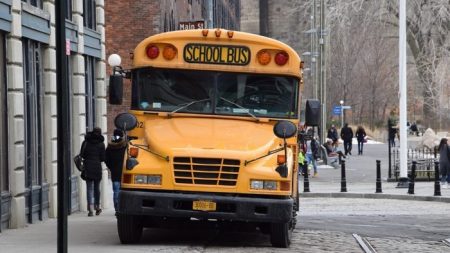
(428, 23)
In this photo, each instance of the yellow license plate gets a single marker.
(204, 205)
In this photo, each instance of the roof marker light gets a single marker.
(205, 32)
(230, 34)
(218, 32)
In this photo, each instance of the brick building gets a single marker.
(28, 133)
(128, 23)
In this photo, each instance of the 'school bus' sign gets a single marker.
(216, 54)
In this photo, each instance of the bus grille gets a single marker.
(206, 171)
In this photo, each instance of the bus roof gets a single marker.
(217, 50)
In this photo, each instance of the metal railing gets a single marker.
(424, 158)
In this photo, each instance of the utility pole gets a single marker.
(403, 95)
(323, 95)
(314, 41)
(264, 17)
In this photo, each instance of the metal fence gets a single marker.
(424, 157)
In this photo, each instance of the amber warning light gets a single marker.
(169, 52)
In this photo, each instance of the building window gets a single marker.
(4, 183)
(36, 3)
(89, 14)
(69, 9)
(89, 63)
(32, 54)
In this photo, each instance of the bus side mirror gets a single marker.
(284, 129)
(115, 89)
(312, 112)
(125, 121)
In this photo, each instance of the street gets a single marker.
(325, 225)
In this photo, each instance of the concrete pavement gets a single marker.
(361, 179)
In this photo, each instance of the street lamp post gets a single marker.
(342, 113)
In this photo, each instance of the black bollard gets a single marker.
(390, 164)
(437, 183)
(412, 178)
(343, 180)
(378, 184)
(306, 182)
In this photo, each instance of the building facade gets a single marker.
(28, 133)
(150, 17)
(279, 20)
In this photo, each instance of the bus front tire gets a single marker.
(280, 234)
(129, 228)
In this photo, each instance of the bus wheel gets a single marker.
(129, 228)
(280, 234)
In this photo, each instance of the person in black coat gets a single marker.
(114, 156)
(347, 136)
(360, 136)
(94, 155)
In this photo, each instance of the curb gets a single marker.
(374, 196)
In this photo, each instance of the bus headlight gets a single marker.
(147, 179)
(263, 185)
(140, 179)
(154, 179)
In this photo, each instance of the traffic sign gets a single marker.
(336, 110)
(346, 107)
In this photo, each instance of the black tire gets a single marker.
(129, 228)
(280, 235)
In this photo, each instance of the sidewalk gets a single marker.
(361, 179)
(423, 191)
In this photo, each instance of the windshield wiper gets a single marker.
(241, 107)
(184, 106)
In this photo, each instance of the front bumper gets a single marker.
(230, 208)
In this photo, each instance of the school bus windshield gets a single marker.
(210, 92)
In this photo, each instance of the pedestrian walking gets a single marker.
(361, 137)
(312, 152)
(444, 162)
(114, 156)
(94, 155)
(333, 136)
(392, 132)
(347, 136)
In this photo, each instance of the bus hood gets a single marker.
(202, 136)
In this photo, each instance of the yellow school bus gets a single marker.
(212, 133)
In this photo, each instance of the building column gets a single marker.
(79, 96)
(16, 132)
(50, 115)
(101, 100)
